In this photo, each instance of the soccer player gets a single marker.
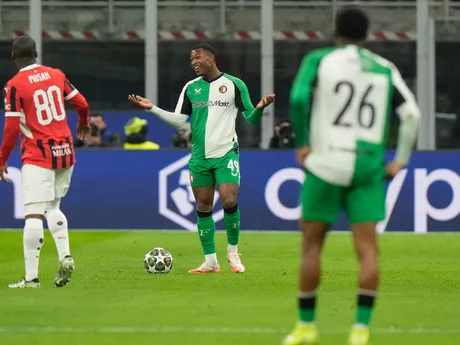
(341, 104)
(34, 108)
(214, 99)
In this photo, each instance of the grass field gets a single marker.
(112, 300)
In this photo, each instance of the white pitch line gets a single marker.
(217, 330)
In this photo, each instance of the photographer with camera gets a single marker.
(283, 137)
(99, 137)
(182, 139)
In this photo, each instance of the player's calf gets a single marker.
(232, 226)
(206, 229)
(33, 242)
(58, 226)
(365, 239)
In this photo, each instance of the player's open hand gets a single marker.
(140, 101)
(393, 168)
(301, 154)
(3, 171)
(83, 131)
(266, 101)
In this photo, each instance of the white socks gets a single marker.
(33, 242)
(211, 260)
(231, 249)
(57, 224)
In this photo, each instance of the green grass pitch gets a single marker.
(112, 300)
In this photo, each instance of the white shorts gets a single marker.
(40, 185)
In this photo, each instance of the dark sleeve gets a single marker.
(398, 99)
(184, 106)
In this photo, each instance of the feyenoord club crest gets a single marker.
(223, 89)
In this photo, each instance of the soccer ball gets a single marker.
(158, 260)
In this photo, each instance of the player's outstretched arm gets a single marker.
(244, 104)
(175, 119)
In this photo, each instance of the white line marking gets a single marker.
(216, 330)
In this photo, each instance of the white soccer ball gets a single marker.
(158, 260)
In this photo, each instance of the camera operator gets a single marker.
(182, 139)
(283, 137)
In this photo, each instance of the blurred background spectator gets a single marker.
(283, 137)
(182, 139)
(136, 131)
(100, 137)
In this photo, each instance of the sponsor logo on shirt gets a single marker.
(61, 150)
(210, 104)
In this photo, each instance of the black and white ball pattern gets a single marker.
(158, 260)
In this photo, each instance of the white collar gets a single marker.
(27, 68)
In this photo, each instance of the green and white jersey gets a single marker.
(341, 104)
(214, 106)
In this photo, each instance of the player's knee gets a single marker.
(204, 204)
(35, 210)
(228, 201)
(53, 205)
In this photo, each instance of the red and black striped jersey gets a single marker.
(34, 102)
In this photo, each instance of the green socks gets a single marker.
(206, 230)
(307, 307)
(232, 224)
(366, 301)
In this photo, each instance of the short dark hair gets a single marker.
(352, 24)
(205, 46)
(96, 115)
(24, 48)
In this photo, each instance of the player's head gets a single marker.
(24, 51)
(203, 59)
(351, 26)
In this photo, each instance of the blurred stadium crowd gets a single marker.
(108, 68)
